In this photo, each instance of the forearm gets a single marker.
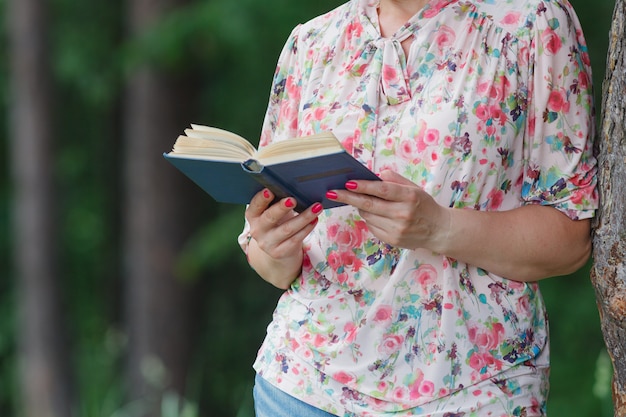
(525, 244)
(278, 272)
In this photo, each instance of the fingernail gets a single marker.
(331, 195)
(351, 185)
(266, 193)
(314, 221)
(317, 207)
(289, 203)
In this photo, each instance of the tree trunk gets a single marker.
(43, 357)
(608, 273)
(157, 223)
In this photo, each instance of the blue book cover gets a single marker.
(305, 178)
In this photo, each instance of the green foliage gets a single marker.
(212, 246)
(85, 50)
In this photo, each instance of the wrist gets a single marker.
(443, 235)
(280, 272)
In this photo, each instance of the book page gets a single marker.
(202, 142)
(299, 148)
(221, 136)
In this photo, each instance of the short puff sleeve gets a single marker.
(560, 168)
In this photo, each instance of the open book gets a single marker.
(231, 170)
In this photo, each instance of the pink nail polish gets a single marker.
(317, 207)
(314, 221)
(351, 185)
(266, 193)
(331, 195)
(289, 203)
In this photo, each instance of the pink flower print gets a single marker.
(556, 101)
(578, 196)
(391, 344)
(425, 275)
(360, 227)
(351, 331)
(407, 149)
(479, 361)
(354, 30)
(511, 19)
(292, 88)
(319, 341)
(289, 113)
(332, 230)
(497, 114)
(389, 74)
(319, 113)
(383, 314)
(583, 80)
(434, 8)
(551, 41)
(531, 126)
(445, 37)
(334, 260)
(400, 393)
(489, 90)
(485, 338)
(431, 137)
(350, 260)
(495, 199)
(343, 377)
(516, 286)
(306, 262)
(350, 237)
(535, 405)
(427, 389)
(524, 55)
(522, 306)
(482, 112)
(348, 142)
(294, 345)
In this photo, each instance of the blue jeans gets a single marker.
(269, 401)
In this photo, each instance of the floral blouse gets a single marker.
(491, 110)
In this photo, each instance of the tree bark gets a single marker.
(158, 306)
(43, 356)
(608, 273)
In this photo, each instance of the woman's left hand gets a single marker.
(397, 211)
(527, 243)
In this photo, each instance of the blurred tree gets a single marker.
(43, 354)
(609, 270)
(157, 221)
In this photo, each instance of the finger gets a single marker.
(279, 213)
(384, 189)
(372, 196)
(292, 228)
(392, 176)
(259, 203)
(297, 236)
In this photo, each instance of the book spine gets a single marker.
(264, 176)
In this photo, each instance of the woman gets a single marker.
(419, 297)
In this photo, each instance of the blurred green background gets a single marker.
(225, 50)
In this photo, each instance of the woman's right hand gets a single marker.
(277, 233)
